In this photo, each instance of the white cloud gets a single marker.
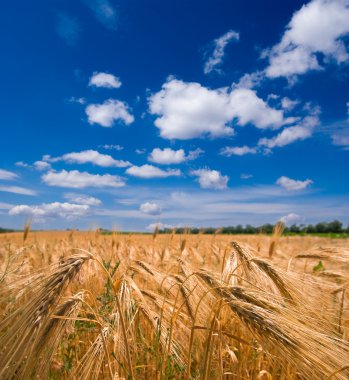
(22, 164)
(211, 179)
(7, 175)
(79, 180)
(110, 147)
(159, 225)
(51, 210)
(289, 135)
(140, 151)
(82, 199)
(340, 134)
(218, 53)
(150, 171)
(5, 206)
(288, 104)
(150, 208)
(292, 184)
(341, 139)
(80, 100)
(189, 110)
(237, 150)
(17, 190)
(107, 113)
(104, 80)
(168, 156)
(291, 218)
(68, 28)
(194, 154)
(104, 12)
(89, 156)
(246, 176)
(318, 27)
(251, 80)
(249, 108)
(41, 165)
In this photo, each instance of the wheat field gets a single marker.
(83, 305)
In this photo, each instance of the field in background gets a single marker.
(82, 305)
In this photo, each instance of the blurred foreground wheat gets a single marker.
(87, 306)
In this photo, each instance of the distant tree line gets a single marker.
(4, 230)
(323, 227)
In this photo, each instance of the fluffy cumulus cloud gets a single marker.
(107, 113)
(291, 218)
(168, 156)
(51, 210)
(189, 110)
(210, 179)
(7, 175)
(150, 171)
(89, 156)
(319, 27)
(303, 130)
(150, 208)
(229, 151)
(82, 199)
(218, 53)
(18, 190)
(293, 184)
(41, 165)
(104, 80)
(247, 107)
(79, 180)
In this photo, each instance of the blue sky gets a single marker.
(124, 114)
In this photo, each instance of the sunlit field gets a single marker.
(83, 305)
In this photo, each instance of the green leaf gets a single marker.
(319, 267)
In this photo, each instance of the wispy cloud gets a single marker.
(82, 199)
(68, 28)
(18, 190)
(7, 175)
(229, 151)
(241, 205)
(216, 58)
(104, 12)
